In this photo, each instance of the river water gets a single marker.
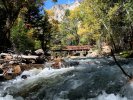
(92, 79)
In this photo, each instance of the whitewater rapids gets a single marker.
(92, 79)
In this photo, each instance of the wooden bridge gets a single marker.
(77, 48)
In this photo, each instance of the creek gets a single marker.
(92, 79)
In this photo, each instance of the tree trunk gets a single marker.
(5, 42)
(113, 42)
(44, 45)
(5, 35)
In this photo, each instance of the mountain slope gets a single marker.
(59, 10)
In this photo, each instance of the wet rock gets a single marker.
(16, 69)
(26, 61)
(27, 52)
(39, 52)
(75, 63)
(40, 60)
(70, 63)
(24, 76)
(106, 50)
(2, 61)
(56, 65)
(1, 75)
(1, 71)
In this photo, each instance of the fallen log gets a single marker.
(25, 56)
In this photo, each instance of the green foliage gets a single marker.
(37, 44)
(67, 12)
(99, 21)
(43, 28)
(10, 10)
(104, 21)
(126, 54)
(69, 30)
(20, 38)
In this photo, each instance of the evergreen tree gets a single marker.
(41, 25)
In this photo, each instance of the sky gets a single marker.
(49, 3)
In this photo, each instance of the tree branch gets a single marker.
(123, 71)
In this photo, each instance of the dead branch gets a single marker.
(123, 71)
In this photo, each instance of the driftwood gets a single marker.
(123, 71)
(11, 56)
(5, 57)
(25, 56)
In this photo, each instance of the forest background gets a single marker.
(23, 27)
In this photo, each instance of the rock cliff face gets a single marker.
(59, 10)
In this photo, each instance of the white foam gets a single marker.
(7, 97)
(131, 84)
(106, 96)
(76, 83)
(30, 73)
(50, 72)
(34, 75)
